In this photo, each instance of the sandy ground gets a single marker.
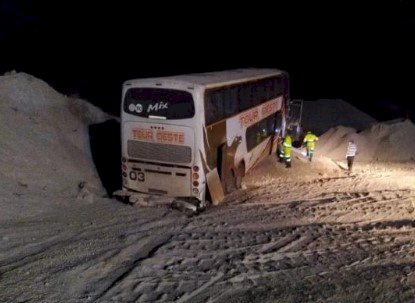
(310, 234)
(313, 233)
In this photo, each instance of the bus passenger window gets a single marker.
(231, 101)
(259, 131)
(214, 107)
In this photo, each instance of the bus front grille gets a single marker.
(159, 152)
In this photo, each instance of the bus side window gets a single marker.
(279, 86)
(259, 131)
(270, 87)
(214, 107)
(270, 125)
(278, 123)
(244, 96)
(262, 91)
(253, 100)
(231, 101)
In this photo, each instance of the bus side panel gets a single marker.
(148, 146)
(237, 127)
(257, 154)
(226, 143)
(216, 137)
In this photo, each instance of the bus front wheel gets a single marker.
(230, 183)
(240, 174)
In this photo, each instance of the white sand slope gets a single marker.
(44, 143)
(393, 142)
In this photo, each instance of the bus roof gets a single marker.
(212, 79)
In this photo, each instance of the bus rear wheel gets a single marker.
(240, 174)
(230, 183)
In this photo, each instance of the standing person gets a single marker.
(310, 142)
(350, 154)
(287, 148)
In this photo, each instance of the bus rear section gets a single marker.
(159, 158)
(158, 143)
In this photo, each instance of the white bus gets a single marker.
(195, 136)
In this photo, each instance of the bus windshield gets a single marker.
(159, 103)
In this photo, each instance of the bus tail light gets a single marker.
(196, 168)
(195, 176)
(124, 174)
(123, 159)
(195, 191)
(195, 183)
(124, 167)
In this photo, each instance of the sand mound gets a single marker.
(44, 139)
(388, 141)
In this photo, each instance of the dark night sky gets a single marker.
(364, 55)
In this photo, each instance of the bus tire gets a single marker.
(230, 182)
(240, 174)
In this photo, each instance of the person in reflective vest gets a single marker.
(310, 142)
(280, 150)
(287, 148)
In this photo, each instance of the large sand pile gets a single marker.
(321, 115)
(393, 141)
(44, 143)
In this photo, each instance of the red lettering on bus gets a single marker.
(143, 134)
(269, 108)
(249, 117)
(160, 136)
(170, 137)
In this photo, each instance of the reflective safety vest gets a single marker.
(287, 146)
(310, 139)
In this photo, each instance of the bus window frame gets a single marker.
(245, 98)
